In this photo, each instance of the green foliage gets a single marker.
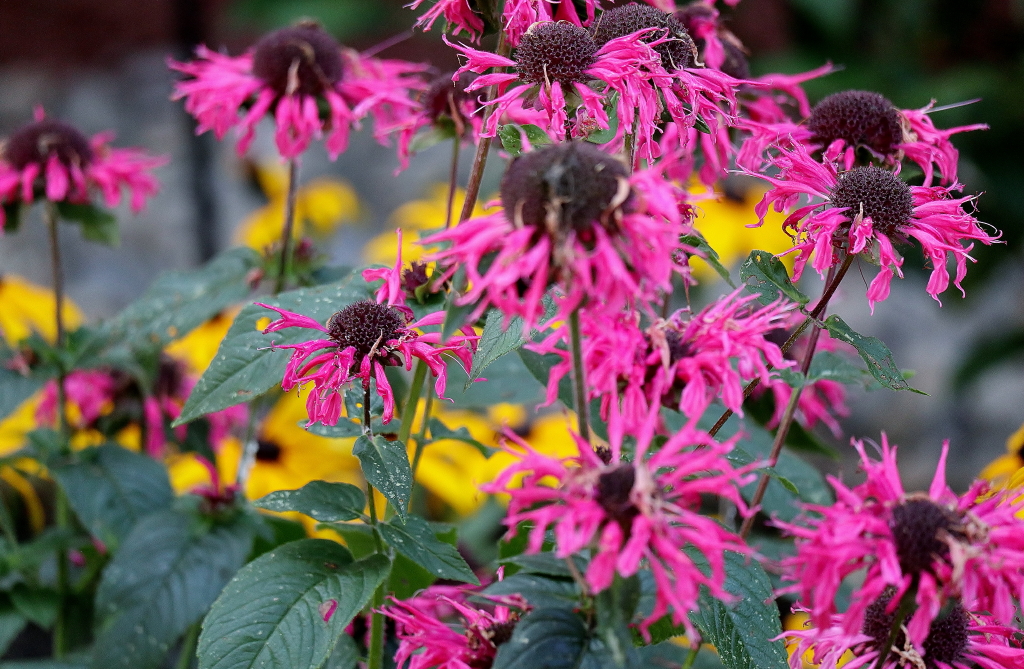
(511, 136)
(386, 467)
(98, 224)
(875, 353)
(111, 489)
(766, 277)
(274, 612)
(168, 572)
(321, 500)
(414, 539)
(709, 255)
(545, 639)
(17, 388)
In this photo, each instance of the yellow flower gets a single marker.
(1005, 470)
(198, 347)
(320, 207)
(723, 220)
(413, 218)
(29, 308)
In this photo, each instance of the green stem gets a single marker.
(690, 658)
(419, 373)
(579, 375)
(476, 174)
(830, 288)
(188, 647)
(789, 413)
(289, 223)
(63, 510)
(421, 439)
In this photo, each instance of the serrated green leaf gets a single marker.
(274, 612)
(321, 500)
(345, 654)
(440, 431)
(495, 341)
(245, 367)
(539, 590)
(111, 489)
(168, 572)
(178, 302)
(98, 225)
(414, 539)
(740, 631)
(875, 353)
(511, 136)
(710, 256)
(766, 277)
(386, 467)
(545, 639)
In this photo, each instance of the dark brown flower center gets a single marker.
(558, 51)
(860, 118)
(919, 527)
(875, 192)
(564, 187)
(366, 326)
(483, 642)
(443, 98)
(946, 642)
(678, 348)
(677, 53)
(614, 489)
(267, 451)
(36, 142)
(302, 59)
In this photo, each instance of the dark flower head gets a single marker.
(301, 59)
(919, 529)
(678, 53)
(558, 51)
(876, 193)
(859, 118)
(366, 326)
(443, 98)
(565, 187)
(946, 642)
(37, 142)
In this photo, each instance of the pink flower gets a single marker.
(520, 15)
(458, 16)
(445, 105)
(930, 548)
(845, 123)
(362, 339)
(605, 237)
(684, 362)
(91, 391)
(290, 73)
(52, 160)
(957, 639)
(425, 642)
(870, 210)
(631, 514)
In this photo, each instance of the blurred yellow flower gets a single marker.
(413, 218)
(198, 347)
(29, 308)
(723, 219)
(320, 207)
(1006, 470)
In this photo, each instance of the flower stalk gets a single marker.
(578, 375)
(289, 224)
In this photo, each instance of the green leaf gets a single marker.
(324, 501)
(875, 353)
(440, 431)
(272, 613)
(432, 136)
(98, 225)
(495, 341)
(13, 214)
(11, 624)
(740, 631)
(245, 366)
(540, 591)
(766, 276)
(111, 489)
(345, 654)
(511, 136)
(603, 136)
(168, 572)
(540, 366)
(414, 539)
(16, 389)
(178, 302)
(40, 605)
(710, 256)
(545, 639)
(386, 467)
(826, 366)
(615, 608)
